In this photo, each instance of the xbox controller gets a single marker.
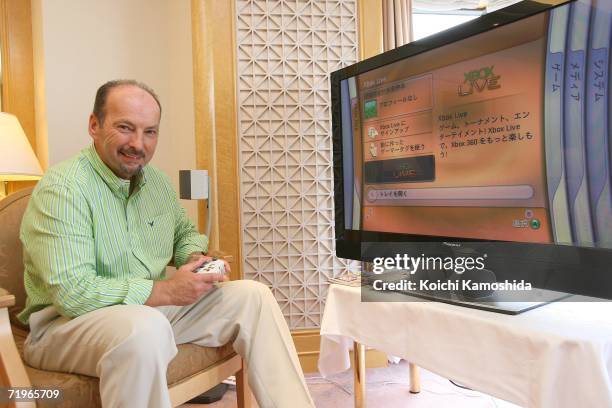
(216, 267)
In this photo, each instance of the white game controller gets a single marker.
(216, 267)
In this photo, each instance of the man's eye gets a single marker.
(152, 132)
(124, 127)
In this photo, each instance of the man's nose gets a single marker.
(137, 140)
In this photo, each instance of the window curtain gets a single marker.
(397, 23)
(397, 15)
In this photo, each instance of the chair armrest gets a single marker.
(221, 255)
(6, 298)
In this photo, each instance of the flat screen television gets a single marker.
(494, 135)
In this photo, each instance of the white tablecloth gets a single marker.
(558, 355)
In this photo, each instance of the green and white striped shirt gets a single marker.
(88, 243)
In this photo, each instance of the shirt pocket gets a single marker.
(158, 235)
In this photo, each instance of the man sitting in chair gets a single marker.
(97, 235)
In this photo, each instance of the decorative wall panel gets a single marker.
(285, 52)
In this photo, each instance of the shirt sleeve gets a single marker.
(58, 241)
(187, 239)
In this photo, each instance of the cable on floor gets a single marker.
(436, 392)
(326, 381)
(348, 391)
(459, 385)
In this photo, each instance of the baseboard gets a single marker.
(307, 343)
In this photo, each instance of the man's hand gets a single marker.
(184, 287)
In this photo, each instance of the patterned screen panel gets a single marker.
(285, 52)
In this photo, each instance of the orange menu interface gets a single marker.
(456, 151)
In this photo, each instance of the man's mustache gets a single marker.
(133, 152)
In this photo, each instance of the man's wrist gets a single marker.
(160, 294)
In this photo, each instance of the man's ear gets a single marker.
(94, 126)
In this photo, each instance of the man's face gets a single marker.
(127, 139)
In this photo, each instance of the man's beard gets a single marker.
(129, 171)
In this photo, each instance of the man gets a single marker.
(97, 234)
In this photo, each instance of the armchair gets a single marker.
(193, 371)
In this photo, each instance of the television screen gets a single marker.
(500, 136)
(495, 130)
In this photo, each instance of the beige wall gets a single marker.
(80, 44)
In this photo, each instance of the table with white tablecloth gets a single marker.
(557, 355)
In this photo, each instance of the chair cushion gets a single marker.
(83, 391)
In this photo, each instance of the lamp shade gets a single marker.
(17, 159)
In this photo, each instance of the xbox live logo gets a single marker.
(479, 79)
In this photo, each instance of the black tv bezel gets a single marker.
(349, 242)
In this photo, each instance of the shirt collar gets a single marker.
(117, 185)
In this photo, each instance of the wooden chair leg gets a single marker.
(243, 391)
(415, 378)
(359, 370)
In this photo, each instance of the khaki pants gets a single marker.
(129, 346)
